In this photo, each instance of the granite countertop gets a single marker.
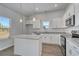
(28, 36)
(67, 35)
(49, 32)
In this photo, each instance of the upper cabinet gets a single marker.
(29, 21)
(57, 23)
(69, 11)
(36, 23)
(76, 14)
(76, 7)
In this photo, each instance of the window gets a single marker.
(4, 27)
(45, 24)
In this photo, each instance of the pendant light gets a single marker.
(34, 19)
(21, 18)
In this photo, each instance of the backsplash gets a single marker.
(72, 28)
(50, 30)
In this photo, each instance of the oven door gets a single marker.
(63, 45)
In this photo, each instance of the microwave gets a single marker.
(70, 21)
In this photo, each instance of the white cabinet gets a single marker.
(57, 22)
(29, 21)
(36, 23)
(70, 11)
(55, 38)
(72, 49)
(68, 48)
(51, 38)
(45, 38)
(76, 14)
(76, 7)
(77, 19)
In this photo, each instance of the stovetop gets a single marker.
(75, 35)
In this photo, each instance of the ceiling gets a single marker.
(28, 9)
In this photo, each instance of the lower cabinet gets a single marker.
(71, 49)
(68, 48)
(51, 39)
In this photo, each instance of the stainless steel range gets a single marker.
(63, 45)
(73, 34)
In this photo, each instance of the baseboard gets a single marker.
(5, 47)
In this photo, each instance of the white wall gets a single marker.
(14, 25)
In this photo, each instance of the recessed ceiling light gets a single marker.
(37, 9)
(55, 5)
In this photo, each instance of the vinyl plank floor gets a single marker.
(47, 50)
(51, 50)
(7, 52)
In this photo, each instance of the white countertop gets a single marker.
(23, 36)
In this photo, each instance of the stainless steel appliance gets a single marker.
(70, 21)
(63, 44)
(75, 33)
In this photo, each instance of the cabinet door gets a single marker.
(46, 38)
(76, 7)
(69, 47)
(69, 12)
(77, 19)
(43, 38)
(68, 50)
(55, 39)
(75, 51)
(57, 23)
(29, 22)
(72, 10)
(64, 17)
(51, 39)
(36, 24)
(76, 14)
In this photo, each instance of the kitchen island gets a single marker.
(27, 45)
